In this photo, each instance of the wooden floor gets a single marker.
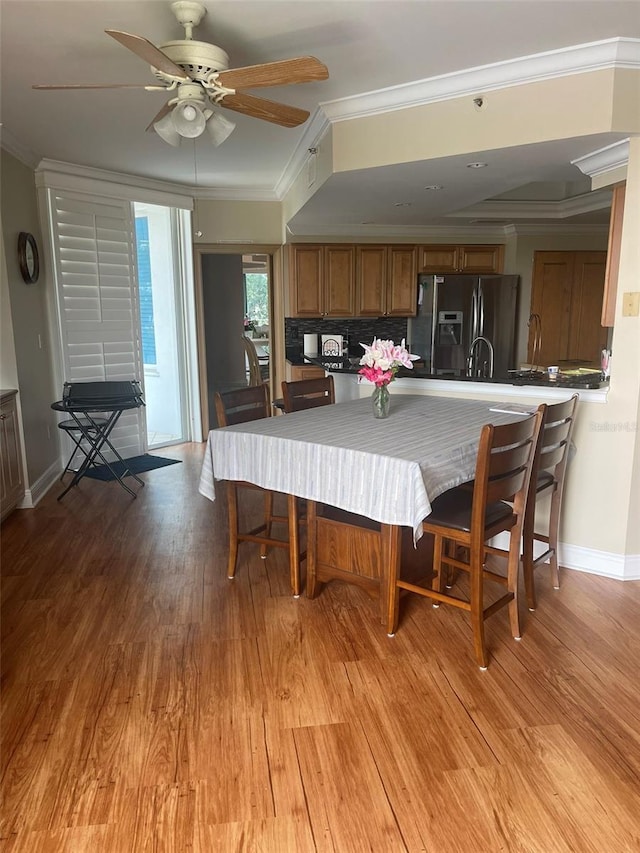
(150, 704)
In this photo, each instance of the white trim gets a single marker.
(561, 209)
(577, 59)
(13, 146)
(625, 567)
(622, 567)
(614, 156)
(41, 486)
(81, 179)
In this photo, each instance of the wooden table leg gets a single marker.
(391, 560)
(294, 545)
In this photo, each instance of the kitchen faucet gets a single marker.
(472, 357)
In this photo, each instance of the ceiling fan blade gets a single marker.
(143, 48)
(93, 86)
(272, 111)
(161, 114)
(301, 69)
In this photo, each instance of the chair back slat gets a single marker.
(555, 439)
(504, 466)
(255, 374)
(308, 393)
(242, 405)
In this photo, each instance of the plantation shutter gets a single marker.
(93, 241)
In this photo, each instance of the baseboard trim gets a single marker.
(41, 486)
(624, 567)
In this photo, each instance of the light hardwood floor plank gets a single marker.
(151, 704)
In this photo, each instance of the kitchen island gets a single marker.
(515, 385)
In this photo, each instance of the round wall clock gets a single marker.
(28, 257)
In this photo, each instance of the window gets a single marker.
(146, 291)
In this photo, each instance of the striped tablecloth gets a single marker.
(388, 470)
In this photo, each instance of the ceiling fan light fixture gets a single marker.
(219, 128)
(189, 119)
(167, 131)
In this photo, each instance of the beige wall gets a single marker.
(536, 112)
(236, 222)
(30, 321)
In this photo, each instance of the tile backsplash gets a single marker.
(354, 330)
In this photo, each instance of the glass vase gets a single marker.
(380, 400)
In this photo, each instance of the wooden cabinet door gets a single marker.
(11, 482)
(438, 258)
(296, 372)
(587, 337)
(567, 295)
(339, 284)
(402, 282)
(480, 259)
(371, 280)
(306, 281)
(551, 300)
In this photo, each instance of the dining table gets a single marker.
(387, 470)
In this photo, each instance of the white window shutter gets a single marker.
(95, 257)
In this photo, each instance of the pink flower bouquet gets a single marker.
(382, 360)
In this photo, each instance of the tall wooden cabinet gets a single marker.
(567, 293)
(12, 482)
(386, 281)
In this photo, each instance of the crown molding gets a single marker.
(604, 159)
(234, 193)
(577, 59)
(69, 176)
(529, 229)
(424, 234)
(562, 209)
(315, 131)
(13, 146)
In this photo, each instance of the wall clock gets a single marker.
(28, 257)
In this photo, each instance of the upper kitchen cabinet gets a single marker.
(566, 294)
(321, 281)
(451, 258)
(386, 281)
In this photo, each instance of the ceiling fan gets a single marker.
(199, 75)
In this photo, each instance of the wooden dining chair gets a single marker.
(237, 407)
(469, 519)
(308, 393)
(255, 373)
(547, 478)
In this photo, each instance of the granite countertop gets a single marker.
(521, 377)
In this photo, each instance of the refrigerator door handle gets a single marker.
(480, 309)
(474, 314)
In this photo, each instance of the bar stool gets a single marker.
(72, 429)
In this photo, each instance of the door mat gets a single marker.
(136, 465)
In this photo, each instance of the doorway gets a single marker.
(236, 305)
(157, 231)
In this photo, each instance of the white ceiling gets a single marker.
(367, 45)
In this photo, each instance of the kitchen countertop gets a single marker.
(523, 377)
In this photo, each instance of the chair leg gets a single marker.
(477, 607)
(312, 533)
(527, 556)
(437, 583)
(232, 502)
(554, 523)
(513, 566)
(294, 545)
(268, 517)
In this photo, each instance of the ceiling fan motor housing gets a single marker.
(198, 59)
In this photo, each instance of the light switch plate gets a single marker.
(630, 304)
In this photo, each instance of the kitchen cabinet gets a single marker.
(451, 258)
(566, 294)
(322, 281)
(12, 485)
(386, 281)
(296, 372)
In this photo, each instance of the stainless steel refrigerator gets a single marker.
(466, 324)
